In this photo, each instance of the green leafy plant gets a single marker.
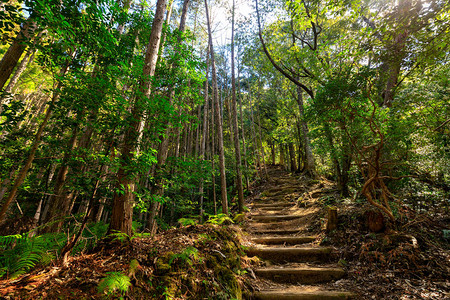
(121, 237)
(114, 282)
(18, 254)
(188, 255)
(219, 219)
(187, 222)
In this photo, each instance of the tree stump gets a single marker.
(332, 219)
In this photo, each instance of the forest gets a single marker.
(139, 138)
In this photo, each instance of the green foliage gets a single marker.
(114, 283)
(120, 237)
(189, 255)
(18, 254)
(187, 221)
(219, 219)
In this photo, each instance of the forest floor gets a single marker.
(409, 260)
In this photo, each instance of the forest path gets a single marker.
(294, 265)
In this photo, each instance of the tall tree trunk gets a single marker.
(37, 140)
(309, 167)
(244, 147)
(213, 154)
(205, 132)
(256, 152)
(237, 147)
(223, 179)
(272, 151)
(292, 157)
(262, 148)
(22, 66)
(164, 145)
(122, 212)
(15, 51)
(59, 201)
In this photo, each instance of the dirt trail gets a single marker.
(293, 265)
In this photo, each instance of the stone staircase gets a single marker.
(295, 268)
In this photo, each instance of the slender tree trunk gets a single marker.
(301, 158)
(37, 140)
(15, 51)
(292, 157)
(122, 212)
(205, 133)
(256, 152)
(60, 202)
(22, 66)
(309, 166)
(213, 154)
(163, 147)
(237, 146)
(247, 183)
(197, 130)
(223, 180)
(262, 148)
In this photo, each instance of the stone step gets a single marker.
(291, 254)
(279, 240)
(275, 231)
(273, 208)
(273, 204)
(303, 295)
(303, 275)
(274, 197)
(274, 218)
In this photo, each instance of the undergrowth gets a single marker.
(22, 252)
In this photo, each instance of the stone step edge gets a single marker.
(283, 240)
(272, 218)
(316, 295)
(273, 204)
(275, 231)
(302, 275)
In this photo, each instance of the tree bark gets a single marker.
(22, 66)
(122, 212)
(223, 180)
(237, 147)
(310, 166)
(263, 160)
(15, 51)
(256, 152)
(292, 157)
(164, 145)
(244, 147)
(37, 140)
(205, 133)
(60, 201)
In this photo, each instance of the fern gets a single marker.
(114, 282)
(120, 237)
(188, 255)
(19, 254)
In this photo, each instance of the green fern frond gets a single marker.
(188, 255)
(115, 281)
(20, 254)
